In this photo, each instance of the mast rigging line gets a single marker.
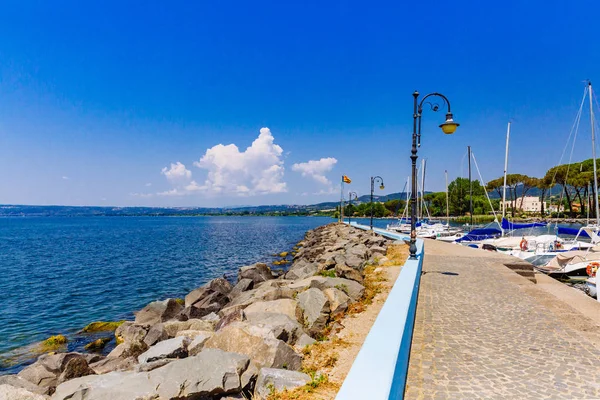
(484, 187)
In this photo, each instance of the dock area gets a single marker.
(482, 331)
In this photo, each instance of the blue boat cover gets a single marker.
(480, 234)
(507, 225)
(571, 231)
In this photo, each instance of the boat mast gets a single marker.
(470, 187)
(423, 205)
(505, 169)
(447, 202)
(594, 156)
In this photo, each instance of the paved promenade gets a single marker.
(488, 333)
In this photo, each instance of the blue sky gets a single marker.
(126, 103)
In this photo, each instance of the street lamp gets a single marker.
(448, 127)
(373, 179)
(350, 194)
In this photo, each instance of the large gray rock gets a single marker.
(156, 334)
(172, 327)
(280, 326)
(47, 369)
(301, 269)
(130, 332)
(355, 262)
(8, 392)
(75, 368)
(128, 349)
(352, 288)
(266, 352)
(210, 373)
(211, 303)
(315, 306)
(158, 311)
(270, 379)
(338, 301)
(242, 286)
(111, 364)
(171, 348)
(219, 285)
(344, 271)
(198, 342)
(16, 381)
(377, 251)
(288, 307)
(258, 272)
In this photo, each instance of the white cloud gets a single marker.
(177, 173)
(66, 178)
(316, 169)
(141, 194)
(257, 170)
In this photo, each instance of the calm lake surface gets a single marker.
(59, 274)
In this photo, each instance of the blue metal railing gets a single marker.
(380, 369)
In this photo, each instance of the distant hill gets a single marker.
(90, 211)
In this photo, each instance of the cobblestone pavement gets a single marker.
(479, 335)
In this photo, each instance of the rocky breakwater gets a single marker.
(224, 341)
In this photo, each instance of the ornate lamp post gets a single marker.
(350, 194)
(448, 127)
(373, 179)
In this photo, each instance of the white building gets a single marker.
(526, 204)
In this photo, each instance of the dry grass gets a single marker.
(373, 284)
(319, 359)
(397, 254)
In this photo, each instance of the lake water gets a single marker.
(59, 274)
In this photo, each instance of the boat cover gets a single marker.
(507, 225)
(563, 230)
(575, 257)
(480, 234)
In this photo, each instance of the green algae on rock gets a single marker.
(97, 344)
(53, 343)
(102, 326)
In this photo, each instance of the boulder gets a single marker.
(301, 270)
(304, 340)
(212, 317)
(170, 348)
(338, 301)
(110, 364)
(198, 342)
(355, 262)
(271, 379)
(128, 349)
(75, 368)
(352, 288)
(258, 272)
(47, 369)
(377, 251)
(8, 392)
(211, 303)
(266, 352)
(280, 326)
(359, 250)
(131, 332)
(210, 373)
(288, 307)
(151, 366)
(158, 311)
(315, 306)
(16, 381)
(219, 285)
(343, 271)
(172, 327)
(242, 286)
(235, 313)
(156, 334)
(192, 333)
(248, 378)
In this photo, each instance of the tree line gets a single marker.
(569, 184)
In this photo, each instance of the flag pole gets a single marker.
(342, 200)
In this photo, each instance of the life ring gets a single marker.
(523, 245)
(592, 268)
